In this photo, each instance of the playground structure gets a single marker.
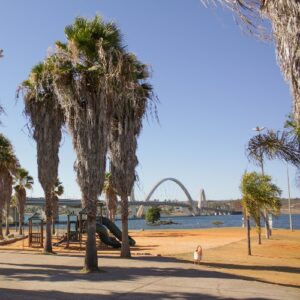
(36, 231)
(108, 233)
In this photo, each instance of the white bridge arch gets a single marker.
(190, 200)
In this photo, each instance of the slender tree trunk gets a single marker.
(259, 231)
(7, 204)
(20, 223)
(248, 235)
(125, 249)
(91, 257)
(55, 212)
(53, 226)
(259, 235)
(268, 231)
(48, 212)
(1, 221)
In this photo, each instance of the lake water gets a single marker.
(189, 222)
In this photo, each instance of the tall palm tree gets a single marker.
(284, 16)
(130, 108)
(86, 66)
(8, 195)
(46, 120)
(8, 164)
(22, 181)
(274, 145)
(259, 193)
(58, 191)
(111, 197)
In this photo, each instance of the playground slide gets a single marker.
(114, 229)
(105, 238)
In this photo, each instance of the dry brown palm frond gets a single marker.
(284, 16)
(247, 15)
(46, 119)
(285, 19)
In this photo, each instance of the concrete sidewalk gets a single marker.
(34, 276)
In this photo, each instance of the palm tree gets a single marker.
(85, 69)
(46, 120)
(284, 16)
(259, 193)
(131, 106)
(111, 197)
(8, 194)
(8, 165)
(271, 145)
(22, 181)
(58, 191)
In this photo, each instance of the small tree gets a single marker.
(153, 215)
(58, 191)
(275, 145)
(22, 181)
(258, 194)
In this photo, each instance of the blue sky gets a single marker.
(214, 83)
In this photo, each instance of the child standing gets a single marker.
(198, 255)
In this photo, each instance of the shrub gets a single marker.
(153, 214)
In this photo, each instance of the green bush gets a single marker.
(153, 215)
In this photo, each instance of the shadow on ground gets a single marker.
(61, 273)
(13, 294)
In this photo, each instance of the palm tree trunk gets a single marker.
(248, 235)
(48, 212)
(91, 257)
(53, 226)
(1, 220)
(55, 212)
(259, 234)
(7, 218)
(259, 231)
(268, 231)
(21, 223)
(125, 249)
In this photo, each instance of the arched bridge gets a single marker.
(190, 200)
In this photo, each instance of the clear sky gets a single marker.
(214, 83)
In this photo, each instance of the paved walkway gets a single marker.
(42, 277)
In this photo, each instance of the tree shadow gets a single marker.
(63, 273)
(13, 294)
(285, 269)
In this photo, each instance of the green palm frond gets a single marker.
(8, 159)
(22, 180)
(86, 35)
(274, 145)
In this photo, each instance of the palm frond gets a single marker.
(274, 145)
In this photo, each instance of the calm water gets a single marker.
(203, 222)
(207, 222)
